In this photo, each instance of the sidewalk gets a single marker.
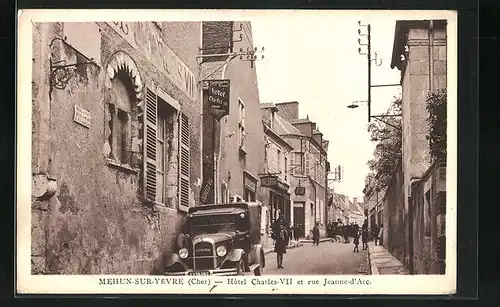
(383, 263)
(293, 244)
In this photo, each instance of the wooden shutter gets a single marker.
(184, 162)
(149, 154)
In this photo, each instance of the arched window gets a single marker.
(120, 109)
(123, 88)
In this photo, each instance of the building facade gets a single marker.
(234, 145)
(308, 168)
(420, 53)
(116, 149)
(275, 179)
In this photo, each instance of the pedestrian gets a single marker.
(296, 230)
(315, 232)
(375, 233)
(364, 235)
(345, 232)
(280, 244)
(381, 235)
(356, 243)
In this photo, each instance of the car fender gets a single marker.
(257, 254)
(174, 259)
(235, 255)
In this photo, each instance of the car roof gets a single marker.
(227, 208)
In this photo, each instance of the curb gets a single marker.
(373, 267)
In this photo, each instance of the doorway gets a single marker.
(298, 218)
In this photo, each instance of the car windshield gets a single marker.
(216, 223)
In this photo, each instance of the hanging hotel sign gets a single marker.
(218, 97)
(146, 38)
(300, 190)
(82, 116)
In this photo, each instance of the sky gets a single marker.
(315, 61)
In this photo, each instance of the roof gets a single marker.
(300, 121)
(284, 127)
(269, 105)
(400, 36)
(269, 131)
(222, 208)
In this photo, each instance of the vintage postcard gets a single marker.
(236, 152)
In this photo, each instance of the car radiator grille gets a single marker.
(204, 256)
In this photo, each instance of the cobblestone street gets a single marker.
(326, 259)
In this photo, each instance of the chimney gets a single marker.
(217, 39)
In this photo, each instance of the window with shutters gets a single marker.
(241, 124)
(184, 162)
(160, 156)
(298, 168)
(308, 164)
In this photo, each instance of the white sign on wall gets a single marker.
(82, 116)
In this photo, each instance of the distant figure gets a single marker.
(296, 230)
(281, 242)
(345, 232)
(375, 233)
(315, 232)
(356, 243)
(364, 235)
(380, 235)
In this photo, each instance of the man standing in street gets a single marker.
(315, 232)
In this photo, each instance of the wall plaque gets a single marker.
(82, 116)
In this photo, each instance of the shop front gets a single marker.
(279, 198)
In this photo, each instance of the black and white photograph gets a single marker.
(286, 152)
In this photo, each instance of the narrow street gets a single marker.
(326, 259)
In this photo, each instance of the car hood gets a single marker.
(215, 237)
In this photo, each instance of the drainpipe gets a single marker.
(431, 55)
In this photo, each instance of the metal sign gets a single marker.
(300, 190)
(82, 116)
(218, 97)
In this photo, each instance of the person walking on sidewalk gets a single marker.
(364, 235)
(315, 232)
(356, 243)
(281, 242)
(380, 235)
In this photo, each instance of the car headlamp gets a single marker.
(183, 253)
(221, 251)
(242, 215)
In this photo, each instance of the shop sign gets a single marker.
(218, 97)
(273, 182)
(146, 38)
(300, 191)
(250, 183)
(82, 116)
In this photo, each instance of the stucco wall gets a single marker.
(243, 86)
(96, 222)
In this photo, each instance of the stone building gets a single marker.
(308, 167)
(116, 149)
(373, 201)
(275, 179)
(420, 53)
(233, 146)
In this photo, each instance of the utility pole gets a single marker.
(369, 72)
(375, 59)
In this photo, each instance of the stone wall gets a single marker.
(96, 222)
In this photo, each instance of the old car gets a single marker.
(219, 239)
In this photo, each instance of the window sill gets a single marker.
(123, 167)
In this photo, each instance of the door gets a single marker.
(298, 217)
